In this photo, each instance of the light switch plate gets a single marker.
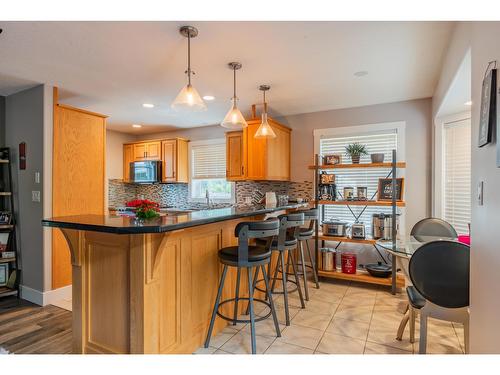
(480, 193)
(37, 177)
(35, 196)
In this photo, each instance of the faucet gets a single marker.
(209, 201)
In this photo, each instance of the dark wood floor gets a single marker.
(26, 328)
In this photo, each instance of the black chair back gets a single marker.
(311, 215)
(289, 223)
(265, 229)
(439, 270)
(433, 227)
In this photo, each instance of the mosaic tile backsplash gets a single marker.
(176, 195)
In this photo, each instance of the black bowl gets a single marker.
(379, 269)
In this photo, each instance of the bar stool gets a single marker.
(286, 243)
(306, 234)
(249, 257)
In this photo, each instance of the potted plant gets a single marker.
(355, 150)
(145, 209)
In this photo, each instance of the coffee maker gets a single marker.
(382, 226)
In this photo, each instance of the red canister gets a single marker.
(348, 261)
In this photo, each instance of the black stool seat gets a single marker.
(255, 253)
(306, 232)
(416, 299)
(289, 242)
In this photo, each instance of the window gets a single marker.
(457, 174)
(208, 171)
(381, 141)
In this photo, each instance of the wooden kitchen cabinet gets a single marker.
(128, 157)
(235, 156)
(147, 151)
(175, 160)
(262, 159)
(172, 152)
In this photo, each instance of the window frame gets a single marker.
(362, 130)
(439, 170)
(215, 141)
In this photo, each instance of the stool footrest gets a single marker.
(244, 320)
(280, 292)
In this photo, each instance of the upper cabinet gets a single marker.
(172, 152)
(249, 158)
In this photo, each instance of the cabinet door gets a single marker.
(235, 166)
(153, 150)
(169, 151)
(256, 153)
(278, 155)
(128, 157)
(140, 150)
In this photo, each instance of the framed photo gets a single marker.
(326, 179)
(384, 192)
(332, 159)
(4, 274)
(488, 108)
(5, 218)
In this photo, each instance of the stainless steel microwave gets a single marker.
(145, 172)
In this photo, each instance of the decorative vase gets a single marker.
(377, 158)
(355, 159)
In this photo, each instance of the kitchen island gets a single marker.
(149, 286)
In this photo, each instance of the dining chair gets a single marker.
(421, 231)
(439, 271)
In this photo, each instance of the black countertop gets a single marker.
(129, 225)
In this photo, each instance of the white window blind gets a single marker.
(457, 174)
(383, 142)
(208, 161)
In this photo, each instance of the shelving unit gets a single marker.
(7, 205)
(395, 280)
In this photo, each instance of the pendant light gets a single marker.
(234, 119)
(265, 130)
(188, 98)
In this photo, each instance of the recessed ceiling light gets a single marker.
(208, 97)
(468, 103)
(361, 73)
(148, 105)
(136, 126)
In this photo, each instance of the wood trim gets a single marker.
(81, 110)
(156, 140)
(400, 164)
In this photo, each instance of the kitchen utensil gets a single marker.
(382, 226)
(328, 259)
(377, 157)
(358, 230)
(379, 269)
(348, 263)
(334, 228)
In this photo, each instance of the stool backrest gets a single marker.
(311, 215)
(440, 272)
(289, 222)
(433, 227)
(254, 229)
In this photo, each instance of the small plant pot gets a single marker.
(377, 158)
(355, 159)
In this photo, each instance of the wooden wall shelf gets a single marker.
(363, 277)
(366, 241)
(362, 203)
(400, 164)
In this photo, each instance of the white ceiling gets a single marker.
(114, 67)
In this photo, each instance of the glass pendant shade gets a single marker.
(188, 99)
(265, 130)
(234, 118)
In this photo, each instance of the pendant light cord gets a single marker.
(234, 83)
(189, 59)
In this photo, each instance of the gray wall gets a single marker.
(482, 39)
(24, 122)
(2, 121)
(416, 114)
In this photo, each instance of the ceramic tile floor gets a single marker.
(339, 318)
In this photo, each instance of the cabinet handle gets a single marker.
(242, 170)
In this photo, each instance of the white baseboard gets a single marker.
(46, 298)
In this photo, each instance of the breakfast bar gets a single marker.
(149, 286)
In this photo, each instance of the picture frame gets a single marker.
(327, 179)
(332, 159)
(4, 274)
(384, 192)
(488, 110)
(5, 218)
